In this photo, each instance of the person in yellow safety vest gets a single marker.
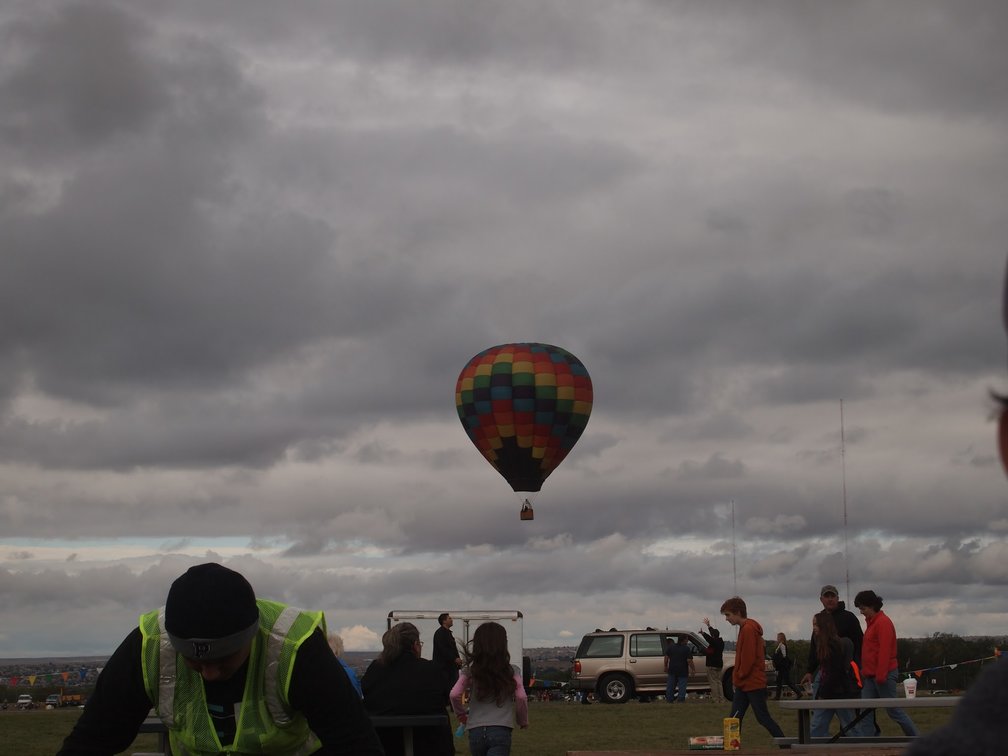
(227, 674)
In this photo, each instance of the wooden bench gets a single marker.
(862, 706)
(404, 722)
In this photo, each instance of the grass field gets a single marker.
(555, 728)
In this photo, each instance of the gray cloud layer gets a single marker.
(245, 255)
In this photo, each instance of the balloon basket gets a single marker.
(526, 511)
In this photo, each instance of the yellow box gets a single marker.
(732, 734)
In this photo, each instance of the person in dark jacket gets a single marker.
(784, 663)
(445, 653)
(835, 674)
(191, 661)
(400, 682)
(678, 668)
(714, 661)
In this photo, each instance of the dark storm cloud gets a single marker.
(77, 77)
(143, 275)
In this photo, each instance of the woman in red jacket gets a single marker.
(879, 668)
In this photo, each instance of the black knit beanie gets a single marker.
(210, 612)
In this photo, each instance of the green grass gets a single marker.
(555, 728)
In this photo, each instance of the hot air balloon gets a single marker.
(524, 406)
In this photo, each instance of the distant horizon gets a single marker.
(6, 661)
(1002, 639)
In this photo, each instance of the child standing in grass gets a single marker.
(496, 693)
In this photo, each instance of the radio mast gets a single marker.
(843, 472)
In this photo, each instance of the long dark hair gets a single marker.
(490, 664)
(826, 636)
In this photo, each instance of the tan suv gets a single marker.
(622, 664)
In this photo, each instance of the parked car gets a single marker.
(622, 664)
(25, 702)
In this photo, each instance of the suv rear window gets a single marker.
(601, 646)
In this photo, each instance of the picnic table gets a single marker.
(862, 706)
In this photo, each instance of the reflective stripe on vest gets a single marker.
(274, 645)
(166, 679)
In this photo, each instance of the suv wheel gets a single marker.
(616, 689)
(726, 683)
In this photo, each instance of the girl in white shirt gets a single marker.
(497, 697)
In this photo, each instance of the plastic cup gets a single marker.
(910, 687)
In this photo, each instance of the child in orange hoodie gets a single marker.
(749, 675)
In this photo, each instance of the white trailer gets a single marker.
(465, 624)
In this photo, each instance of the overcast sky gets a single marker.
(246, 248)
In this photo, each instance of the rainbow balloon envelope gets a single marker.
(524, 406)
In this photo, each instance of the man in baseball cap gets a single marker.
(192, 661)
(848, 626)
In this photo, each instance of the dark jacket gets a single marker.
(319, 688)
(409, 686)
(715, 649)
(837, 679)
(678, 655)
(848, 626)
(445, 653)
(781, 662)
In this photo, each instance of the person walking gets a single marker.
(749, 675)
(784, 664)
(835, 673)
(847, 626)
(879, 666)
(714, 661)
(497, 698)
